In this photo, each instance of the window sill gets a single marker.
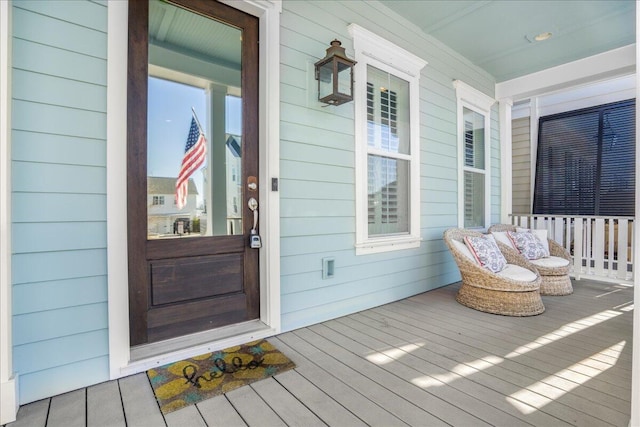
(387, 245)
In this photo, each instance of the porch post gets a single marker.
(635, 367)
(506, 166)
(215, 192)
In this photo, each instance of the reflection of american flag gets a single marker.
(194, 155)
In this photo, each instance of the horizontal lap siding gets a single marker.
(59, 196)
(521, 166)
(317, 168)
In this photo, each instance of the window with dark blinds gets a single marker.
(586, 162)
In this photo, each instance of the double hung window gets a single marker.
(387, 144)
(474, 177)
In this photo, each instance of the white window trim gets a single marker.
(120, 363)
(371, 49)
(477, 101)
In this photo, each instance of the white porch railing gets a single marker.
(601, 247)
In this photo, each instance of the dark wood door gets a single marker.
(190, 265)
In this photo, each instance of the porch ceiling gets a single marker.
(495, 35)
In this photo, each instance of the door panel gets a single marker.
(193, 73)
(183, 279)
(193, 316)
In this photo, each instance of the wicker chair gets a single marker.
(555, 280)
(490, 292)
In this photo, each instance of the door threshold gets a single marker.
(160, 353)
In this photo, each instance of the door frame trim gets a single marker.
(120, 363)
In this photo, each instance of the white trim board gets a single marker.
(635, 367)
(604, 66)
(120, 363)
(8, 382)
(583, 96)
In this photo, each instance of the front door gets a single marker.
(192, 168)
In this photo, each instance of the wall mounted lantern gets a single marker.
(334, 73)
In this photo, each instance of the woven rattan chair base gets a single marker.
(527, 303)
(556, 285)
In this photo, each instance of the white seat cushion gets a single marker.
(464, 250)
(501, 236)
(515, 272)
(550, 262)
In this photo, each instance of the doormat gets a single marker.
(186, 382)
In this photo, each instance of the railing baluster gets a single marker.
(558, 228)
(610, 250)
(594, 242)
(622, 248)
(597, 247)
(577, 248)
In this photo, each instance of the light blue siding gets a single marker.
(36, 87)
(43, 266)
(73, 376)
(59, 261)
(61, 351)
(59, 236)
(58, 62)
(35, 297)
(34, 117)
(317, 168)
(60, 207)
(34, 177)
(39, 147)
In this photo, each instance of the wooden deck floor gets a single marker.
(423, 361)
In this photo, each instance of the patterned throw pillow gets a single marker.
(486, 252)
(541, 234)
(528, 244)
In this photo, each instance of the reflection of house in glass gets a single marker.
(162, 211)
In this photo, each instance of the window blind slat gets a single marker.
(586, 162)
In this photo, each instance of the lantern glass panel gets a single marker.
(344, 78)
(325, 80)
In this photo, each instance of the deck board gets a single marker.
(253, 409)
(425, 360)
(68, 410)
(218, 412)
(104, 406)
(285, 404)
(187, 416)
(32, 415)
(140, 406)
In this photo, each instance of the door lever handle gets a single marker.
(253, 205)
(254, 240)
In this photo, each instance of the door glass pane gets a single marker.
(194, 125)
